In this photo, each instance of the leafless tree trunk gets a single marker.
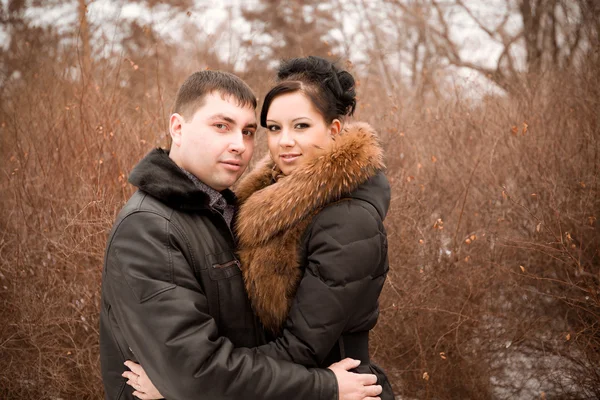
(378, 50)
(84, 36)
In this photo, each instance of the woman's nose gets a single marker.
(285, 139)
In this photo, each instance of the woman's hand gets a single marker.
(137, 379)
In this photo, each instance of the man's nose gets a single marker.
(238, 145)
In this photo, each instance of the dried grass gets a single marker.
(493, 231)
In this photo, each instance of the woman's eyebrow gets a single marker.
(296, 119)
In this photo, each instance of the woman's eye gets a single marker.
(272, 128)
(301, 125)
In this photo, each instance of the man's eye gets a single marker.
(221, 127)
(248, 132)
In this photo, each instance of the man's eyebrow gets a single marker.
(223, 117)
(231, 120)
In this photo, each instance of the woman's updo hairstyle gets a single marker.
(331, 89)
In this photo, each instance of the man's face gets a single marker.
(217, 143)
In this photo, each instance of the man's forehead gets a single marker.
(227, 107)
(232, 100)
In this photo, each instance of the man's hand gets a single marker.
(137, 378)
(354, 386)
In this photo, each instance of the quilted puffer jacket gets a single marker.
(313, 249)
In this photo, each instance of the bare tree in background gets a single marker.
(293, 29)
(394, 46)
(552, 34)
(26, 45)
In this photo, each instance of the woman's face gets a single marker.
(297, 132)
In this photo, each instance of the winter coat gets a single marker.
(314, 251)
(173, 299)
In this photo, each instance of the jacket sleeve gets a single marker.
(345, 246)
(163, 314)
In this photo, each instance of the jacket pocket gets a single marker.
(219, 269)
(227, 296)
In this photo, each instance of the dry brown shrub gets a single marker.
(493, 231)
(66, 150)
(494, 244)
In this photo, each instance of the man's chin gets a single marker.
(227, 183)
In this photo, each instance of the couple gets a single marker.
(266, 294)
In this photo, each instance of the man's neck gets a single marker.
(173, 156)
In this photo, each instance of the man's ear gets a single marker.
(175, 125)
(335, 127)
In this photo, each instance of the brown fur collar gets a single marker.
(274, 215)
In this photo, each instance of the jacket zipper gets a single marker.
(227, 225)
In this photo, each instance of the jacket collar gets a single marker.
(268, 207)
(159, 176)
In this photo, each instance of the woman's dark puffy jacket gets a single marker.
(314, 252)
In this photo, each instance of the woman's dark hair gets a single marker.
(330, 88)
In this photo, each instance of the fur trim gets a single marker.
(356, 157)
(274, 215)
(159, 176)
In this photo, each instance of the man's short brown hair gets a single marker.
(192, 93)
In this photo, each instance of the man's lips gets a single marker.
(232, 165)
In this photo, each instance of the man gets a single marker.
(173, 298)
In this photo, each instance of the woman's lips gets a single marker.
(289, 158)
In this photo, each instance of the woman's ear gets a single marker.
(335, 127)
(175, 124)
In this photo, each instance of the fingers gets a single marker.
(132, 384)
(129, 375)
(346, 364)
(141, 395)
(145, 396)
(373, 390)
(137, 368)
(368, 379)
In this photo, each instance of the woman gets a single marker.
(313, 247)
